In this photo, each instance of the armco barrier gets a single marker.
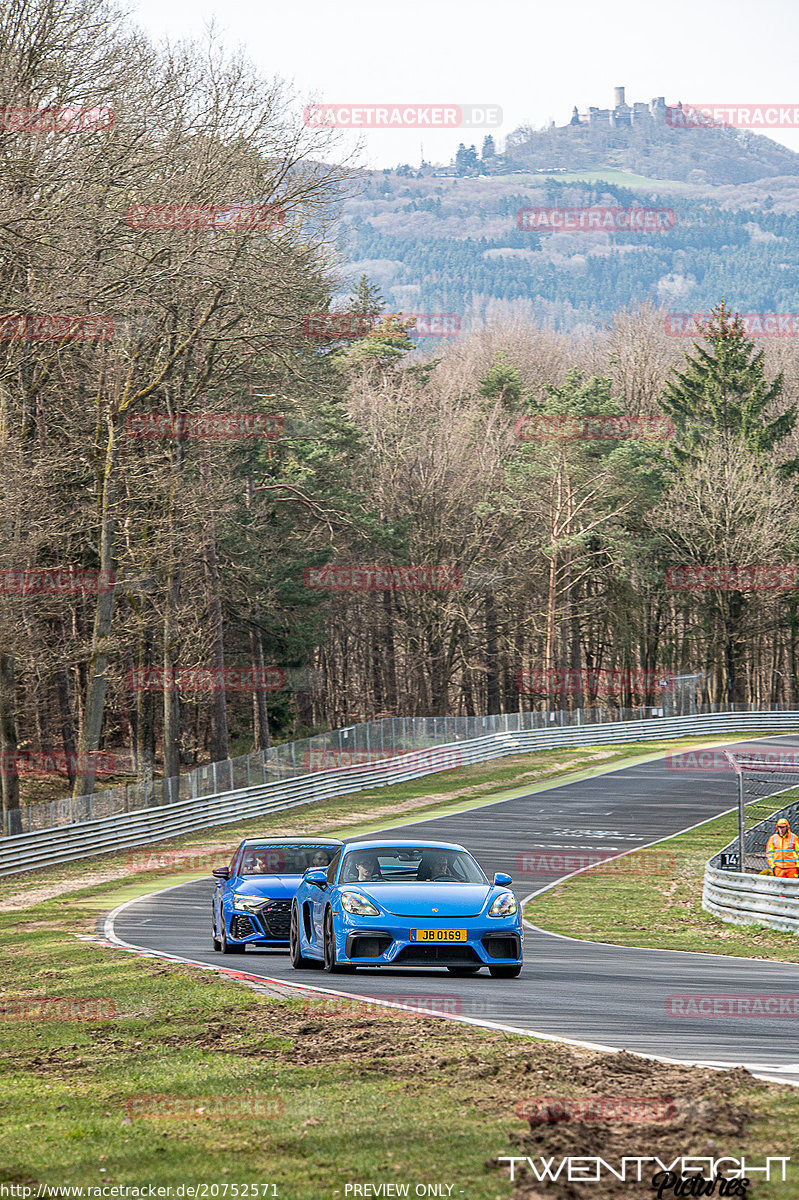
(752, 899)
(65, 843)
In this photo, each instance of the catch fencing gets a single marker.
(240, 801)
(746, 897)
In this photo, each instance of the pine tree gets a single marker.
(367, 299)
(724, 392)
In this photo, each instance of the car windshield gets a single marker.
(409, 864)
(271, 859)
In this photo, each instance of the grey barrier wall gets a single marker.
(751, 899)
(66, 843)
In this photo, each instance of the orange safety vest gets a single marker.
(783, 855)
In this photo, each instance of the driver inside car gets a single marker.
(434, 869)
(364, 869)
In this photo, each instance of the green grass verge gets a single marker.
(319, 1096)
(324, 1098)
(632, 907)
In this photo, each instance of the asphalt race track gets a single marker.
(600, 994)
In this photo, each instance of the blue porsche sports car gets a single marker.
(252, 897)
(406, 904)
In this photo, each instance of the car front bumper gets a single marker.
(488, 943)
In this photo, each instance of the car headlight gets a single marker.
(358, 905)
(504, 906)
(247, 903)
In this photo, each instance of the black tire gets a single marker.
(229, 947)
(216, 941)
(463, 970)
(506, 972)
(331, 962)
(298, 959)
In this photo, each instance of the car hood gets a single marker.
(278, 887)
(419, 900)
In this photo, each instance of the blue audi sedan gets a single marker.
(252, 897)
(406, 904)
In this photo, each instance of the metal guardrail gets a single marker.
(67, 843)
(751, 899)
(366, 742)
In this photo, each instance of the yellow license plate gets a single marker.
(438, 935)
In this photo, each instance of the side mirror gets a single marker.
(221, 872)
(502, 880)
(317, 876)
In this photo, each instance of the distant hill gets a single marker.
(452, 245)
(655, 150)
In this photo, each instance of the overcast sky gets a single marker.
(535, 60)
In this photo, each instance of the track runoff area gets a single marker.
(594, 994)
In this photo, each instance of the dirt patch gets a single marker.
(691, 1112)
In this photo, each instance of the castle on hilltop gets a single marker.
(622, 114)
